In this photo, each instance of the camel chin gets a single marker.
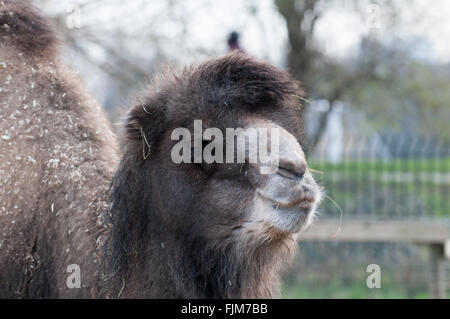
(288, 220)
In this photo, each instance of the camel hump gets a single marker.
(23, 27)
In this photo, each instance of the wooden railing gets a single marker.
(434, 234)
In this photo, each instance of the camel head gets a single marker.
(227, 195)
(178, 185)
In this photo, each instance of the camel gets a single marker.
(134, 223)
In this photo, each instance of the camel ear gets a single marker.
(146, 123)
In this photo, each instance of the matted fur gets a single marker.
(190, 224)
(176, 231)
(57, 158)
(22, 27)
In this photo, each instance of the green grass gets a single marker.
(336, 290)
(378, 182)
(360, 189)
(398, 165)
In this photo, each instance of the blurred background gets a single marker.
(377, 116)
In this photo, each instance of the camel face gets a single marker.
(225, 199)
(272, 161)
(276, 196)
(229, 225)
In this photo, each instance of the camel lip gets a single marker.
(304, 206)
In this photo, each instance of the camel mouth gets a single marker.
(302, 207)
(304, 204)
(291, 218)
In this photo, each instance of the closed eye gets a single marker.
(289, 173)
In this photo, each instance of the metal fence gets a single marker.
(393, 177)
(394, 192)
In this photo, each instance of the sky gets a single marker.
(340, 29)
(263, 31)
(185, 32)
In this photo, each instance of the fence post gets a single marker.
(438, 280)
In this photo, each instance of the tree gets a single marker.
(324, 77)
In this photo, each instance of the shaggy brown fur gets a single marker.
(57, 157)
(22, 27)
(178, 231)
(186, 222)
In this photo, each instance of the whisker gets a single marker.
(341, 217)
(314, 170)
(145, 110)
(303, 99)
(121, 289)
(145, 142)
